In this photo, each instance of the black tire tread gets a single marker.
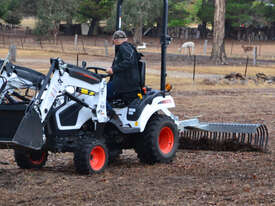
(22, 159)
(82, 155)
(147, 148)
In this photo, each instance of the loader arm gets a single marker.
(30, 132)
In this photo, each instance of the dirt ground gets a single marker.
(195, 177)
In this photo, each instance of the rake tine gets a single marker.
(224, 136)
(243, 138)
(219, 136)
(201, 135)
(261, 137)
(256, 140)
(195, 135)
(228, 136)
(214, 136)
(238, 137)
(250, 138)
(211, 135)
(266, 132)
(234, 136)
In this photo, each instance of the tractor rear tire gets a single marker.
(30, 159)
(159, 141)
(91, 157)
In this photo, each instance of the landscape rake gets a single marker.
(253, 135)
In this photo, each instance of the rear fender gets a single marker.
(159, 104)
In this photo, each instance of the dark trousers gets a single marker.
(111, 95)
(127, 97)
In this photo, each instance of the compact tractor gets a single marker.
(69, 114)
(14, 80)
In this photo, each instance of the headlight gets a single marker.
(70, 89)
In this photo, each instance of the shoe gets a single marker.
(114, 118)
(111, 114)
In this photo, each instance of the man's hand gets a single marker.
(109, 70)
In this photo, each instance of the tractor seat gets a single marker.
(136, 107)
(33, 76)
(124, 99)
(127, 99)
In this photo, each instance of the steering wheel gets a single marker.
(96, 69)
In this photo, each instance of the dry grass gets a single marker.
(39, 60)
(187, 84)
(223, 70)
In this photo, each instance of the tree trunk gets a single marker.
(92, 27)
(56, 31)
(218, 51)
(138, 32)
(204, 23)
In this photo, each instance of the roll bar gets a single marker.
(164, 39)
(118, 14)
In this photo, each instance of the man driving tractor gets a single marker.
(125, 80)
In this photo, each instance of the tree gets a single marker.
(269, 12)
(137, 15)
(218, 51)
(205, 14)
(238, 12)
(50, 13)
(28, 7)
(10, 11)
(178, 14)
(93, 11)
(3, 8)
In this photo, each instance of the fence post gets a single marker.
(194, 68)
(245, 72)
(61, 43)
(255, 55)
(22, 43)
(13, 53)
(232, 48)
(83, 46)
(260, 50)
(40, 42)
(106, 47)
(205, 47)
(3, 40)
(76, 42)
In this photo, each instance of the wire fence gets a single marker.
(102, 45)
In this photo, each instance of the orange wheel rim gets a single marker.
(39, 161)
(166, 140)
(98, 158)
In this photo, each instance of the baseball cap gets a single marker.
(119, 34)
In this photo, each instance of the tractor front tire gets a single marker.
(30, 159)
(159, 141)
(91, 157)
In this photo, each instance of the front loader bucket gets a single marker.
(19, 129)
(253, 135)
(30, 131)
